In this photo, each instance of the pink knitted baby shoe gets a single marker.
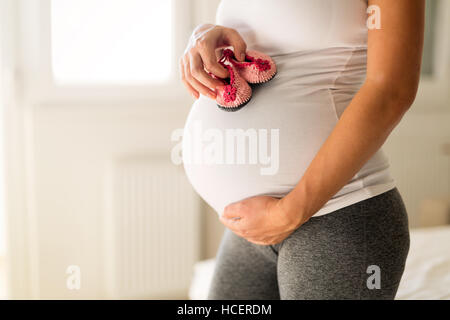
(257, 67)
(235, 92)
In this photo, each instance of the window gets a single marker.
(111, 42)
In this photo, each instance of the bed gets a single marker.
(426, 276)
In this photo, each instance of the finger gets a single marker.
(261, 236)
(195, 84)
(235, 227)
(199, 73)
(219, 53)
(235, 40)
(230, 223)
(261, 239)
(262, 243)
(271, 240)
(231, 211)
(241, 234)
(207, 53)
(191, 90)
(211, 64)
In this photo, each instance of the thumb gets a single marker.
(235, 40)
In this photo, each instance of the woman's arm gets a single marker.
(393, 72)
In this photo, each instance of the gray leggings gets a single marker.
(334, 256)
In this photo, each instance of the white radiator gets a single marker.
(153, 229)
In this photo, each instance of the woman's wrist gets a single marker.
(294, 208)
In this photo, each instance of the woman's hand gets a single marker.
(200, 54)
(262, 220)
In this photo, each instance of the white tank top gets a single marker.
(285, 26)
(320, 49)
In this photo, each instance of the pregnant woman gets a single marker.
(325, 220)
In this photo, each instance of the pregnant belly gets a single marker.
(262, 149)
(265, 147)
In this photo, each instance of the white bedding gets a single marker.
(427, 272)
